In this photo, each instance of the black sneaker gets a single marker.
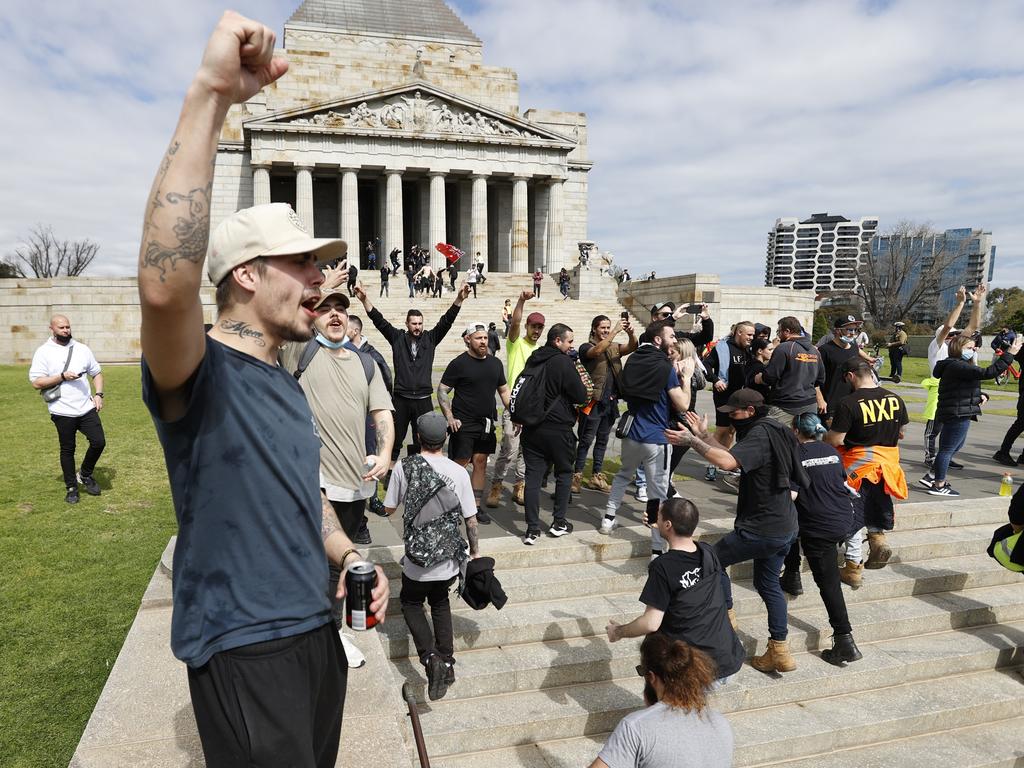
(1004, 458)
(449, 673)
(482, 517)
(560, 528)
(377, 507)
(90, 484)
(927, 481)
(363, 534)
(436, 674)
(955, 464)
(943, 490)
(72, 495)
(531, 538)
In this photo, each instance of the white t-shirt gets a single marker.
(456, 478)
(937, 351)
(75, 396)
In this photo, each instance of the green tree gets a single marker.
(1005, 306)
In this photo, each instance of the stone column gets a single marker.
(539, 227)
(503, 206)
(465, 215)
(393, 226)
(520, 227)
(556, 227)
(478, 221)
(304, 197)
(438, 214)
(260, 184)
(349, 211)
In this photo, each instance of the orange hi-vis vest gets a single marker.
(875, 463)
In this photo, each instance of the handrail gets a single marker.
(417, 731)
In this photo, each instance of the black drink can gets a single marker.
(359, 583)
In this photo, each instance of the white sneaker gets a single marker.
(606, 525)
(356, 659)
(641, 493)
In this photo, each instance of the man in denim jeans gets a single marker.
(766, 521)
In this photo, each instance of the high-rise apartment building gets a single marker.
(820, 253)
(947, 260)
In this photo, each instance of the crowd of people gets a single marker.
(280, 422)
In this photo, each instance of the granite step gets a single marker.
(776, 732)
(555, 620)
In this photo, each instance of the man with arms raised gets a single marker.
(475, 376)
(412, 353)
(266, 668)
(518, 348)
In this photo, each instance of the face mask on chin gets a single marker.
(742, 426)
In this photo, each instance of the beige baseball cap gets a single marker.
(264, 230)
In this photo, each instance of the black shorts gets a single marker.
(471, 439)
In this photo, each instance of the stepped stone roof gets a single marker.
(431, 19)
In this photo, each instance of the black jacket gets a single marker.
(793, 372)
(960, 386)
(702, 337)
(564, 386)
(480, 586)
(644, 375)
(412, 376)
(378, 358)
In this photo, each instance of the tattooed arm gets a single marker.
(472, 534)
(343, 553)
(384, 425)
(444, 399)
(237, 63)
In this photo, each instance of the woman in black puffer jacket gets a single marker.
(960, 401)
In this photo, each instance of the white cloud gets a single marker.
(707, 121)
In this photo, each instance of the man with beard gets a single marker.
(252, 617)
(475, 376)
(64, 364)
(518, 348)
(767, 455)
(412, 354)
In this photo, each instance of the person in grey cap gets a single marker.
(435, 492)
(252, 616)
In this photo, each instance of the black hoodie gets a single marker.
(793, 372)
(564, 386)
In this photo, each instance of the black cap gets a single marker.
(742, 399)
(844, 320)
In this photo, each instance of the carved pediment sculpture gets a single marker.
(415, 114)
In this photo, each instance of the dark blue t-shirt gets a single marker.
(650, 419)
(243, 462)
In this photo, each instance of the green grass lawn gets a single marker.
(72, 576)
(916, 368)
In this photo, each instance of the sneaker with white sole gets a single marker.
(607, 525)
(560, 528)
(531, 538)
(641, 493)
(355, 657)
(942, 490)
(927, 481)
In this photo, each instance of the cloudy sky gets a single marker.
(707, 120)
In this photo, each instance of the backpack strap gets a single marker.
(308, 353)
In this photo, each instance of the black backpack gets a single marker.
(527, 404)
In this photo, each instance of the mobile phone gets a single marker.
(694, 309)
(625, 315)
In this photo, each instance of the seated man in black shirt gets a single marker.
(475, 376)
(684, 595)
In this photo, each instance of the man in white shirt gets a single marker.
(64, 363)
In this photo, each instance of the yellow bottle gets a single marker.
(1006, 486)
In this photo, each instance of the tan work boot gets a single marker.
(732, 620)
(598, 482)
(577, 482)
(494, 495)
(776, 659)
(879, 553)
(851, 574)
(517, 492)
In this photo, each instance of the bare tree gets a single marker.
(43, 255)
(906, 274)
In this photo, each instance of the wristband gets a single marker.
(98, 394)
(62, 376)
(345, 555)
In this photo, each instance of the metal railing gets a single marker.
(417, 731)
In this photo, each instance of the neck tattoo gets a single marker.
(243, 330)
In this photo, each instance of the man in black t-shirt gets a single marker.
(834, 352)
(766, 520)
(866, 430)
(684, 595)
(475, 376)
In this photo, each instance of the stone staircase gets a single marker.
(941, 629)
(486, 308)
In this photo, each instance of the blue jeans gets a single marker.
(952, 436)
(738, 546)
